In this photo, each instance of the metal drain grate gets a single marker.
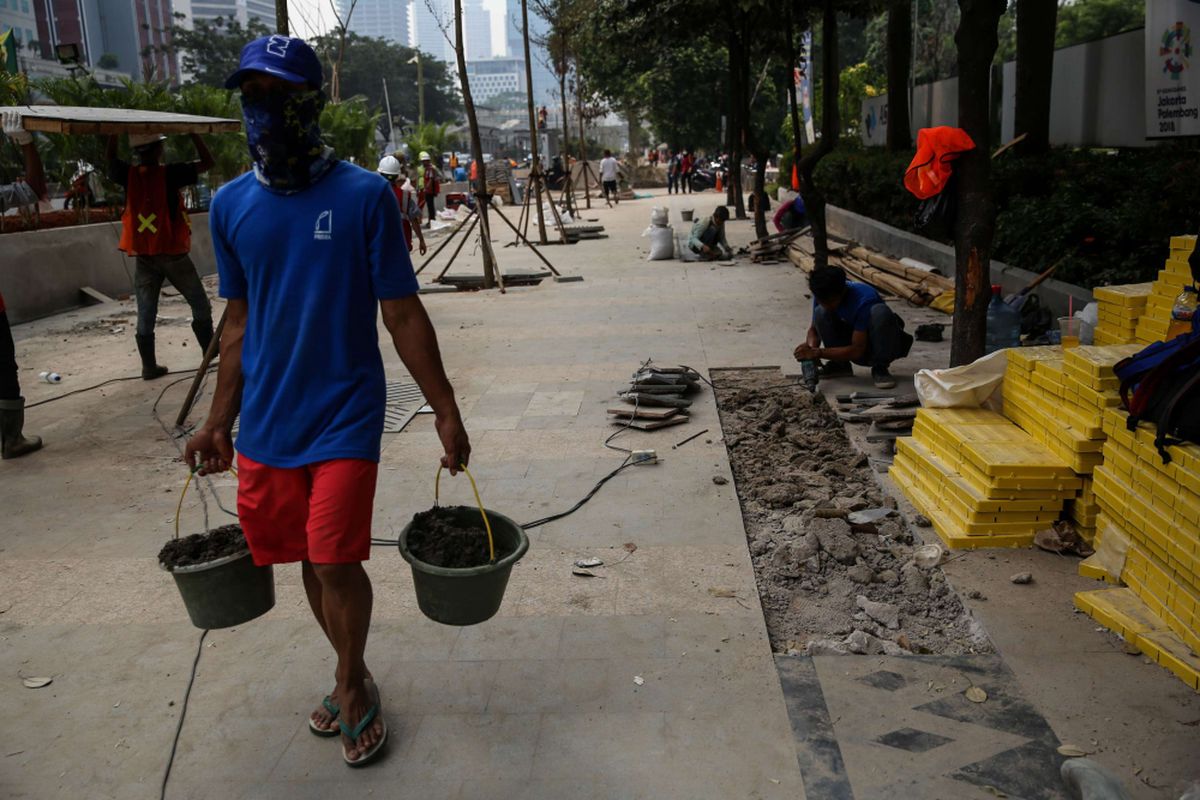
(404, 400)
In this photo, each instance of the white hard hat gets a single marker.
(137, 140)
(389, 165)
(424, 156)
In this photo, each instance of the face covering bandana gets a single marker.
(284, 137)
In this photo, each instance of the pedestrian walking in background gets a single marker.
(609, 172)
(156, 230)
(429, 185)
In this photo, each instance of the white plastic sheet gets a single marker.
(967, 386)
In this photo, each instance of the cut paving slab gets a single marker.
(540, 702)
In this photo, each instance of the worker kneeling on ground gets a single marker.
(791, 216)
(851, 323)
(708, 236)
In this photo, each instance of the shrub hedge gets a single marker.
(1111, 212)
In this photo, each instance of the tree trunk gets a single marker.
(1036, 20)
(566, 140)
(973, 230)
(631, 122)
(741, 98)
(814, 199)
(731, 123)
(899, 65)
(760, 194)
(481, 195)
(583, 151)
(533, 130)
(281, 18)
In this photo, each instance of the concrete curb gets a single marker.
(899, 244)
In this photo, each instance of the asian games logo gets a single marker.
(1176, 49)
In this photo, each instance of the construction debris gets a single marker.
(773, 248)
(918, 286)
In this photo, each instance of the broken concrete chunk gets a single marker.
(779, 495)
(1022, 577)
(915, 582)
(835, 539)
(860, 573)
(720, 480)
(795, 556)
(888, 577)
(884, 613)
(826, 647)
(922, 521)
(794, 525)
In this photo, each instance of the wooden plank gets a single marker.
(82, 120)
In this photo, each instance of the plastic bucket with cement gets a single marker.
(227, 591)
(470, 595)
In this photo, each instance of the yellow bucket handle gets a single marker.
(186, 484)
(437, 486)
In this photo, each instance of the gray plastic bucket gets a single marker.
(228, 591)
(471, 595)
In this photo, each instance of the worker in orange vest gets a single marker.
(155, 229)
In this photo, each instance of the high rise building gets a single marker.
(241, 11)
(111, 34)
(19, 17)
(493, 76)
(477, 30)
(383, 19)
(425, 28)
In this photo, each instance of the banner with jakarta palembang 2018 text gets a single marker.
(1172, 72)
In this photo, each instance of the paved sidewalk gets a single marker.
(540, 702)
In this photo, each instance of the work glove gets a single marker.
(11, 123)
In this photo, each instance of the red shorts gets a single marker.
(319, 512)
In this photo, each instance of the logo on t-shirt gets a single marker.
(324, 227)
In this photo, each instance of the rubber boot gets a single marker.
(204, 333)
(150, 367)
(12, 420)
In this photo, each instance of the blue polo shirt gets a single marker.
(855, 308)
(312, 267)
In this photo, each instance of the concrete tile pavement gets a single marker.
(538, 701)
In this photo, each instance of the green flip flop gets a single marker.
(325, 733)
(376, 710)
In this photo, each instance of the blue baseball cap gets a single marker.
(282, 56)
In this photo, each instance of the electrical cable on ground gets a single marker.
(100, 386)
(187, 695)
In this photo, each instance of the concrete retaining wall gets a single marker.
(900, 244)
(41, 272)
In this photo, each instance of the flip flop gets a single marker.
(326, 733)
(376, 710)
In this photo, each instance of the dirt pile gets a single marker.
(833, 559)
(200, 548)
(438, 537)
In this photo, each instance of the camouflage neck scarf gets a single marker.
(284, 136)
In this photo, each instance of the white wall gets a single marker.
(1097, 98)
(1097, 94)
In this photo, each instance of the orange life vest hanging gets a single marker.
(930, 168)
(147, 227)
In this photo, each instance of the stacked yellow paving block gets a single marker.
(1149, 525)
(1172, 278)
(1059, 397)
(1045, 403)
(981, 480)
(1120, 308)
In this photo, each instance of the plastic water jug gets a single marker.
(1003, 324)
(1182, 312)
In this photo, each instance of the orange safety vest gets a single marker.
(147, 228)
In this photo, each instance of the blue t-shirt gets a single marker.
(855, 308)
(312, 267)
